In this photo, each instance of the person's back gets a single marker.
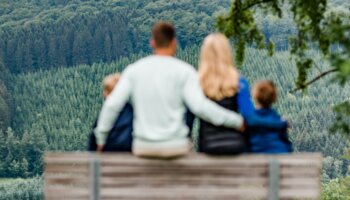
(220, 81)
(162, 77)
(219, 139)
(159, 88)
(264, 139)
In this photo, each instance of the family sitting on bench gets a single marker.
(148, 109)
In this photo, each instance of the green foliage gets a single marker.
(337, 189)
(21, 189)
(332, 168)
(5, 98)
(50, 34)
(316, 26)
(76, 37)
(240, 25)
(5, 113)
(21, 156)
(342, 118)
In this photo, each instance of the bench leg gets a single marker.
(95, 179)
(274, 180)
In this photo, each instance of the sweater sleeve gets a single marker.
(247, 109)
(201, 106)
(112, 108)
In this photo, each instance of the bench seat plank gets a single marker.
(196, 176)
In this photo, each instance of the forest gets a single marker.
(46, 34)
(55, 53)
(56, 108)
(66, 33)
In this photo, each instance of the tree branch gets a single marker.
(256, 3)
(313, 80)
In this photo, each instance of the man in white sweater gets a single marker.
(159, 87)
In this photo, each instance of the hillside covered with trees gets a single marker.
(55, 53)
(55, 109)
(46, 34)
(5, 97)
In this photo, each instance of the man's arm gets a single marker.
(206, 109)
(112, 108)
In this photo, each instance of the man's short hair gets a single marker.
(265, 93)
(163, 33)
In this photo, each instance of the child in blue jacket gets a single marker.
(120, 136)
(265, 139)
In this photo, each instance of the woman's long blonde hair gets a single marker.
(219, 77)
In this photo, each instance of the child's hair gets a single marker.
(110, 81)
(265, 93)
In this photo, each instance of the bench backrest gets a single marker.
(123, 176)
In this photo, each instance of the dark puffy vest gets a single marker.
(220, 140)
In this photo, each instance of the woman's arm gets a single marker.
(246, 108)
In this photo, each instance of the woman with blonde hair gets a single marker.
(222, 83)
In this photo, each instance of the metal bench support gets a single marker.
(95, 179)
(274, 179)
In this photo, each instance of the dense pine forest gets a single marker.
(47, 34)
(55, 53)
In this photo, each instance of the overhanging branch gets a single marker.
(305, 85)
(256, 3)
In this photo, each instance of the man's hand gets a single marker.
(243, 127)
(287, 123)
(99, 148)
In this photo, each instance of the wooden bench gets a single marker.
(196, 176)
